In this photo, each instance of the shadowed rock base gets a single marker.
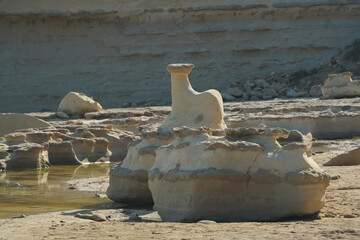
(223, 200)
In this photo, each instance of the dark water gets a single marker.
(45, 190)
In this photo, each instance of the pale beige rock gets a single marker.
(235, 174)
(128, 181)
(341, 85)
(191, 108)
(75, 103)
(10, 122)
(28, 156)
(349, 157)
(100, 152)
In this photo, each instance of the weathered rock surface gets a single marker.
(75, 103)
(63, 144)
(10, 122)
(347, 154)
(128, 181)
(341, 85)
(235, 174)
(191, 108)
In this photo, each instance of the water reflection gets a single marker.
(35, 191)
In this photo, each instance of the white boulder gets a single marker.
(341, 85)
(75, 103)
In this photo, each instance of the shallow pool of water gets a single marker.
(45, 190)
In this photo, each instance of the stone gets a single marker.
(291, 93)
(62, 153)
(129, 180)
(75, 103)
(62, 115)
(28, 156)
(341, 85)
(315, 91)
(349, 157)
(99, 217)
(191, 108)
(235, 91)
(10, 122)
(227, 97)
(238, 174)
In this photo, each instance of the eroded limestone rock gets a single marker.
(189, 107)
(235, 174)
(75, 103)
(341, 85)
(129, 181)
(10, 122)
(28, 156)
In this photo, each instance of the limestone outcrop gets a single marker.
(10, 122)
(189, 107)
(75, 103)
(341, 85)
(129, 181)
(63, 145)
(235, 174)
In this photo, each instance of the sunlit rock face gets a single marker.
(341, 85)
(75, 103)
(129, 180)
(240, 174)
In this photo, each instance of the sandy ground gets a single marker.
(339, 219)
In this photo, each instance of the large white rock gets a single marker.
(10, 122)
(75, 103)
(341, 85)
(129, 180)
(235, 174)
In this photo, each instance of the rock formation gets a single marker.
(191, 108)
(10, 122)
(341, 85)
(63, 145)
(75, 103)
(234, 174)
(128, 181)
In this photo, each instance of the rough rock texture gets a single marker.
(75, 103)
(324, 119)
(10, 122)
(128, 181)
(235, 174)
(28, 156)
(347, 154)
(191, 108)
(111, 51)
(340, 86)
(63, 144)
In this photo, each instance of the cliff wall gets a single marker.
(116, 51)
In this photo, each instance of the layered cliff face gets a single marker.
(115, 50)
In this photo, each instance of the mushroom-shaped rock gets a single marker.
(189, 107)
(235, 175)
(10, 122)
(62, 153)
(128, 181)
(28, 156)
(341, 85)
(75, 103)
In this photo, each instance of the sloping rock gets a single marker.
(235, 175)
(75, 103)
(341, 85)
(10, 122)
(349, 157)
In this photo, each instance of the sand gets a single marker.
(340, 218)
